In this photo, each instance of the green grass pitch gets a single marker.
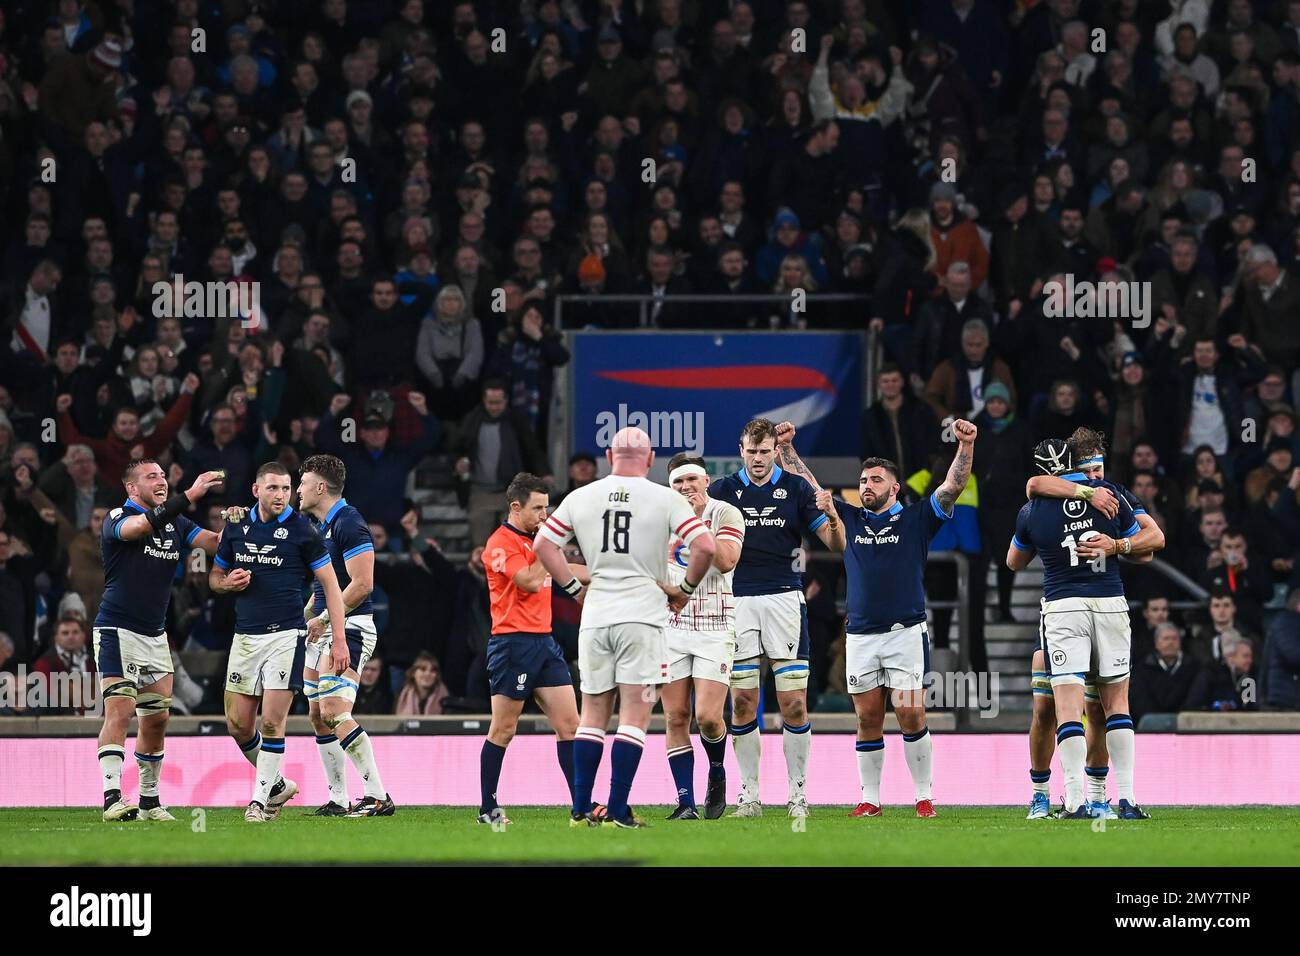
(959, 836)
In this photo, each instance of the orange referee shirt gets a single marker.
(507, 552)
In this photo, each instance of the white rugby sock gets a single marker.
(362, 755)
(745, 741)
(269, 759)
(1073, 748)
(1122, 745)
(871, 764)
(150, 771)
(110, 766)
(252, 748)
(1096, 783)
(919, 748)
(796, 742)
(335, 764)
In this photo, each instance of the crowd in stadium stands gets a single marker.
(381, 168)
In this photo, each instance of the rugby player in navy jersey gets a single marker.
(141, 544)
(1085, 624)
(887, 644)
(331, 694)
(771, 618)
(266, 559)
(1084, 453)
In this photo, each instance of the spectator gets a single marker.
(424, 692)
(374, 695)
(74, 486)
(85, 562)
(955, 238)
(958, 387)
(1282, 652)
(1228, 683)
(527, 354)
(898, 426)
(1220, 625)
(126, 441)
(494, 443)
(449, 353)
(1003, 455)
(1163, 678)
(377, 468)
(69, 654)
(1231, 569)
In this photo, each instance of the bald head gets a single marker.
(630, 453)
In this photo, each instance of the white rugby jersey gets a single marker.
(623, 526)
(711, 607)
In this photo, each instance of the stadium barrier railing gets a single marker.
(644, 300)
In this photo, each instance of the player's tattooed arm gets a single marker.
(788, 457)
(959, 471)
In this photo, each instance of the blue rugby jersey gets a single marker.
(281, 555)
(884, 563)
(777, 513)
(1055, 526)
(138, 574)
(346, 535)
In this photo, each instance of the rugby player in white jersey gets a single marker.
(623, 524)
(701, 644)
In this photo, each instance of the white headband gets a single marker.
(686, 469)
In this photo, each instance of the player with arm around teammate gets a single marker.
(331, 693)
(1085, 625)
(623, 523)
(886, 545)
(523, 658)
(141, 543)
(266, 559)
(701, 645)
(1083, 453)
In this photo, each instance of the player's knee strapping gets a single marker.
(1090, 692)
(745, 674)
(335, 687)
(1110, 680)
(1041, 684)
(1068, 680)
(310, 689)
(790, 675)
(123, 688)
(338, 720)
(148, 704)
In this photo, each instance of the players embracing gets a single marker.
(1084, 623)
(1064, 464)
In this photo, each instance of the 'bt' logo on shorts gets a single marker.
(1058, 657)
